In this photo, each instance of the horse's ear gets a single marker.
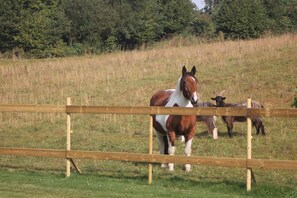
(193, 71)
(184, 70)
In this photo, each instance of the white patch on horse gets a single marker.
(178, 98)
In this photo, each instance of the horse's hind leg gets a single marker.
(163, 146)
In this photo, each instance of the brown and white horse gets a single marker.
(169, 127)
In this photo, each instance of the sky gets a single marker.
(200, 3)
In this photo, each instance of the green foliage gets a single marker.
(150, 22)
(178, 16)
(278, 12)
(292, 13)
(9, 17)
(91, 21)
(202, 25)
(210, 5)
(35, 26)
(42, 28)
(240, 18)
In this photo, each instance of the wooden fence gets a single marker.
(69, 154)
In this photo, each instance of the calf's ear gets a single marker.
(213, 98)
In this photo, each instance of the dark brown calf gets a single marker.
(229, 120)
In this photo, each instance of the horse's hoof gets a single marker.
(163, 165)
(171, 167)
(187, 168)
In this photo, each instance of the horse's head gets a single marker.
(188, 84)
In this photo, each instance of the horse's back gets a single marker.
(255, 104)
(160, 98)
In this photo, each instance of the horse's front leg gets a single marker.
(188, 152)
(171, 147)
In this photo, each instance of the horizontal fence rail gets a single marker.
(33, 108)
(154, 158)
(150, 158)
(221, 111)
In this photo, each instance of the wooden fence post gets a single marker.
(249, 147)
(150, 168)
(68, 140)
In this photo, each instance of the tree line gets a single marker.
(55, 28)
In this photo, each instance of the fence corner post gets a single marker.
(68, 140)
(249, 148)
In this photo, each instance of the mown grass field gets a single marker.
(263, 69)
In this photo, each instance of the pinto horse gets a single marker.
(169, 127)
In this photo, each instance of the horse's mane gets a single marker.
(177, 89)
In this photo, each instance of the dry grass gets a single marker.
(264, 69)
(242, 68)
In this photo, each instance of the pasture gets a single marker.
(263, 69)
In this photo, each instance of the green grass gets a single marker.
(40, 184)
(264, 69)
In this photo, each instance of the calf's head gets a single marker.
(219, 101)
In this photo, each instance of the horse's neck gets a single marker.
(178, 98)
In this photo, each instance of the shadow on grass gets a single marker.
(182, 185)
(214, 187)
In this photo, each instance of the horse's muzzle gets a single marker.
(193, 101)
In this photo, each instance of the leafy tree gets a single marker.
(47, 28)
(240, 18)
(41, 28)
(279, 15)
(203, 25)
(210, 5)
(9, 19)
(92, 22)
(292, 13)
(150, 22)
(145, 25)
(126, 30)
(178, 16)
(36, 26)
